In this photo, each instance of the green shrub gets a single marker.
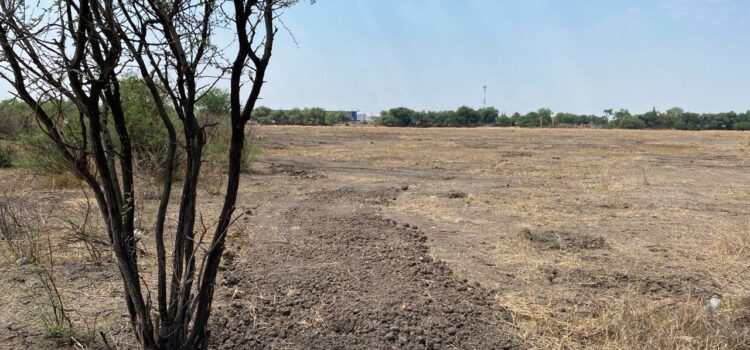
(40, 155)
(742, 126)
(15, 118)
(148, 136)
(214, 101)
(7, 155)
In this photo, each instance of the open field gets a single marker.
(368, 237)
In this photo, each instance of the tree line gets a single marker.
(14, 116)
(297, 116)
(674, 118)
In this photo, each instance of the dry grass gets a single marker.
(672, 206)
(631, 321)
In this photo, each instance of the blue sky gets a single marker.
(579, 56)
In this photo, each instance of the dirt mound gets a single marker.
(350, 281)
(294, 170)
(560, 240)
(378, 197)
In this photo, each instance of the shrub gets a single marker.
(15, 118)
(214, 101)
(742, 126)
(148, 136)
(40, 156)
(217, 144)
(7, 154)
(21, 226)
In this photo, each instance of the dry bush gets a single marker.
(51, 311)
(61, 181)
(83, 226)
(21, 228)
(218, 135)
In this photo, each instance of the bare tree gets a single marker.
(73, 54)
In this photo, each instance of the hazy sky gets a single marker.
(579, 56)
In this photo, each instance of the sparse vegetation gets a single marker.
(21, 229)
(82, 226)
(7, 155)
(52, 313)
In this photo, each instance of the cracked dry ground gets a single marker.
(319, 267)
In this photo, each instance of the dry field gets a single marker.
(367, 237)
(629, 232)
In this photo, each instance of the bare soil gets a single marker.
(324, 269)
(378, 238)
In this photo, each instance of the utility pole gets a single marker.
(484, 99)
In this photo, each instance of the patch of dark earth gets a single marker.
(352, 279)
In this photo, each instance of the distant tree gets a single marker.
(693, 121)
(333, 118)
(295, 117)
(263, 115)
(314, 116)
(599, 120)
(675, 112)
(622, 113)
(529, 120)
(488, 115)
(400, 116)
(515, 117)
(423, 118)
(467, 116)
(631, 122)
(545, 116)
(280, 117)
(503, 120)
